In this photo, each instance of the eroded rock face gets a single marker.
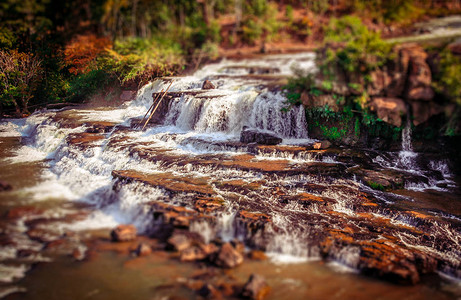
(123, 233)
(389, 110)
(263, 138)
(5, 186)
(255, 288)
(207, 85)
(228, 257)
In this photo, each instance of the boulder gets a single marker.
(262, 138)
(192, 254)
(208, 291)
(423, 111)
(419, 76)
(455, 47)
(143, 249)
(380, 81)
(5, 186)
(179, 242)
(320, 101)
(255, 288)
(207, 85)
(228, 257)
(388, 109)
(123, 233)
(322, 145)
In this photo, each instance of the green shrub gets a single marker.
(85, 85)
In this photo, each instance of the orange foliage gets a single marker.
(83, 50)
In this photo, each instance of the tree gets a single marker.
(18, 79)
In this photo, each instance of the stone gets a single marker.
(255, 288)
(179, 242)
(208, 291)
(5, 186)
(257, 255)
(228, 257)
(322, 145)
(193, 253)
(123, 233)
(455, 47)
(321, 101)
(423, 111)
(207, 85)
(419, 76)
(127, 95)
(390, 110)
(262, 138)
(143, 249)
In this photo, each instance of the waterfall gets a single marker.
(406, 159)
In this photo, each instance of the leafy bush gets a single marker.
(19, 75)
(361, 50)
(87, 84)
(447, 80)
(259, 21)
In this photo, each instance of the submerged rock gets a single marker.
(123, 233)
(228, 257)
(256, 287)
(5, 186)
(207, 85)
(263, 138)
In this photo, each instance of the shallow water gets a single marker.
(61, 165)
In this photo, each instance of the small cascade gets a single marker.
(406, 159)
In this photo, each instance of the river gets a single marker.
(327, 231)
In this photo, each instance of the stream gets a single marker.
(328, 230)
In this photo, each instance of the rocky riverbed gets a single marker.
(200, 206)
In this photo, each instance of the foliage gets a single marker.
(402, 11)
(447, 80)
(259, 21)
(362, 50)
(18, 72)
(376, 186)
(81, 53)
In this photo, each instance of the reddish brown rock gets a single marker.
(207, 85)
(123, 233)
(24, 212)
(193, 253)
(208, 291)
(256, 288)
(423, 111)
(5, 186)
(257, 255)
(228, 257)
(322, 145)
(389, 110)
(143, 249)
(419, 76)
(179, 242)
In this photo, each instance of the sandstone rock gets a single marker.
(127, 95)
(192, 254)
(263, 138)
(423, 111)
(389, 110)
(228, 257)
(208, 291)
(143, 249)
(5, 186)
(380, 80)
(257, 255)
(419, 76)
(321, 101)
(123, 233)
(322, 145)
(179, 242)
(207, 85)
(455, 47)
(256, 287)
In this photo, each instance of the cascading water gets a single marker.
(406, 155)
(291, 201)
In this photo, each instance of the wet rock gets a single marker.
(228, 257)
(193, 253)
(179, 242)
(24, 212)
(255, 288)
(127, 95)
(263, 138)
(5, 186)
(322, 145)
(423, 111)
(207, 85)
(143, 249)
(389, 110)
(123, 233)
(208, 291)
(257, 255)
(419, 75)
